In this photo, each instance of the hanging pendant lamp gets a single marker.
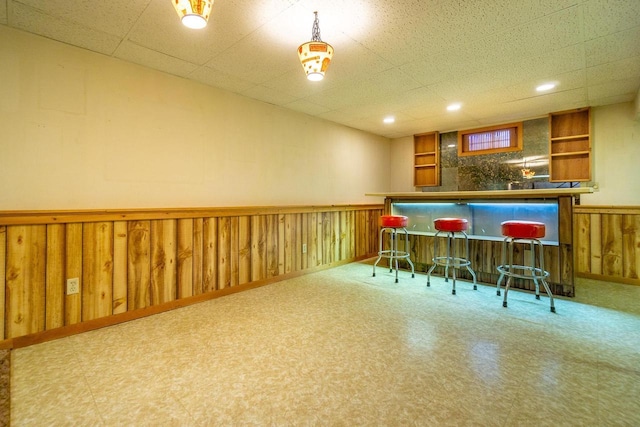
(315, 55)
(193, 13)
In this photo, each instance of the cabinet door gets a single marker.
(426, 161)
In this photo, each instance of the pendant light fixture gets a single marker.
(193, 13)
(315, 55)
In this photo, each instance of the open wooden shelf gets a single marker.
(426, 159)
(570, 145)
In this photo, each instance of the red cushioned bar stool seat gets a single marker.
(451, 226)
(393, 225)
(530, 233)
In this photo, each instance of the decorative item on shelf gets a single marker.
(526, 172)
(193, 13)
(315, 55)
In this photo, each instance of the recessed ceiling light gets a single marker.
(389, 119)
(545, 87)
(454, 107)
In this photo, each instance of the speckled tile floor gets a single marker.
(342, 348)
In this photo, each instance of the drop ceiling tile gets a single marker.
(339, 116)
(373, 89)
(540, 67)
(352, 60)
(564, 82)
(267, 95)
(294, 82)
(615, 88)
(541, 105)
(463, 89)
(115, 17)
(306, 107)
(220, 79)
(618, 70)
(543, 35)
(37, 22)
(613, 47)
(613, 99)
(160, 29)
(266, 53)
(602, 18)
(150, 58)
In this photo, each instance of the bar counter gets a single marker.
(485, 210)
(491, 194)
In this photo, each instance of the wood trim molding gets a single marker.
(622, 210)
(34, 217)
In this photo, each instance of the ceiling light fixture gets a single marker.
(315, 55)
(545, 87)
(389, 119)
(454, 107)
(193, 13)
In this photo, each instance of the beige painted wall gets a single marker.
(616, 153)
(82, 130)
(616, 148)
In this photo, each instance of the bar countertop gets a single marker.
(491, 194)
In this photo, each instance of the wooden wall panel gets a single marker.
(97, 272)
(198, 255)
(126, 262)
(224, 252)
(55, 276)
(582, 248)
(304, 233)
(312, 230)
(327, 238)
(210, 254)
(360, 225)
(342, 236)
(25, 280)
(3, 282)
(319, 238)
(631, 246)
(258, 247)
(73, 259)
(335, 236)
(297, 236)
(163, 261)
(244, 250)
(120, 266)
(565, 226)
(185, 258)
(273, 261)
(612, 245)
(284, 245)
(139, 265)
(608, 243)
(595, 246)
(235, 251)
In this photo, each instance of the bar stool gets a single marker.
(451, 226)
(524, 232)
(394, 224)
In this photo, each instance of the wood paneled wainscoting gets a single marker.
(607, 243)
(133, 263)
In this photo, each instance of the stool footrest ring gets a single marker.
(452, 262)
(537, 273)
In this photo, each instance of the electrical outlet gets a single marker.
(304, 248)
(73, 286)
